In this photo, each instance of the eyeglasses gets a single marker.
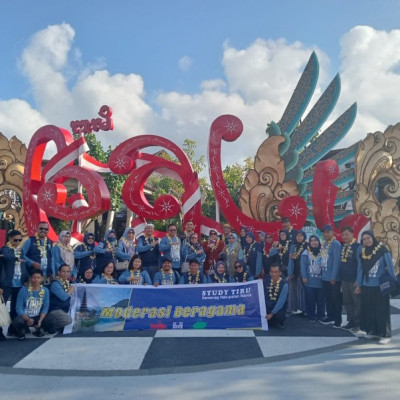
(17, 240)
(172, 229)
(238, 266)
(213, 233)
(43, 229)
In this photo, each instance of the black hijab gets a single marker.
(303, 243)
(367, 264)
(314, 250)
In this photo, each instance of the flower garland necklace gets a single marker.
(66, 247)
(234, 250)
(244, 277)
(66, 285)
(215, 244)
(325, 248)
(135, 274)
(17, 251)
(298, 252)
(42, 249)
(284, 250)
(346, 251)
(246, 253)
(196, 280)
(274, 289)
(110, 281)
(311, 254)
(41, 295)
(128, 243)
(92, 256)
(148, 239)
(171, 279)
(376, 249)
(265, 251)
(222, 280)
(110, 247)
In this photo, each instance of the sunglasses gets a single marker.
(238, 266)
(43, 229)
(17, 240)
(213, 233)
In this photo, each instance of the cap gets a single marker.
(327, 228)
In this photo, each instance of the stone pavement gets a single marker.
(173, 351)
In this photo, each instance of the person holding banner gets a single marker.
(220, 275)
(241, 274)
(32, 307)
(108, 276)
(194, 276)
(170, 246)
(276, 294)
(167, 276)
(60, 298)
(135, 275)
(105, 251)
(85, 255)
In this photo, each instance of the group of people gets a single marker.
(311, 277)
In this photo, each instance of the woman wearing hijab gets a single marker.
(126, 249)
(375, 307)
(63, 254)
(105, 251)
(311, 272)
(220, 275)
(242, 274)
(283, 252)
(87, 276)
(269, 250)
(242, 235)
(212, 249)
(296, 301)
(233, 253)
(84, 254)
(252, 256)
(193, 250)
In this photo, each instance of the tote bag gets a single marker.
(4, 315)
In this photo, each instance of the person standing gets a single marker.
(226, 232)
(62, 253)
(37, 251)
(252, 256)
(311, 272)
(148, 248)
(126, 249)
(85, 255)
(330, 263)
(233, 252)
(287, 226)
(14, 274)
(106, 251)
(193, 250)
(170, 246)
(212, 248)
(184, 236)
(283, 252)
(349, 261)
(375, 306)
(296, 302)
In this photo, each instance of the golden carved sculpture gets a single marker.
(377, 177)
(12, 159)
(264, 185)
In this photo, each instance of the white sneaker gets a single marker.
(358, 333)
(371, 336)
(384, 340)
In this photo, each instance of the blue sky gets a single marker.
(148, 38)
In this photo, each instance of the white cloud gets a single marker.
(258, 83)
(185, 63)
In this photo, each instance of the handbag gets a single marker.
(122, 265)
(388, 285)
(4, 315)
(185, 266)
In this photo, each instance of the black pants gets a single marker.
(13, 292)
(333, 299)
(278, 317)
(18, 325)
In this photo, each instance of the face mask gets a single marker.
(112, 239)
